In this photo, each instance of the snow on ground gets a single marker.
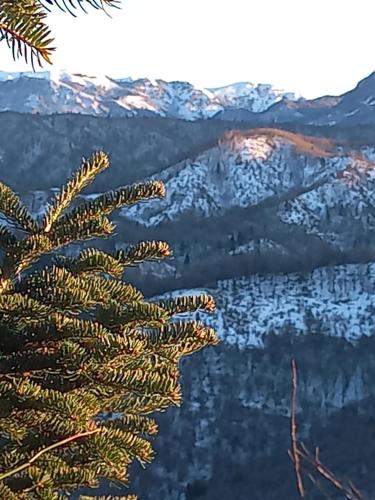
(261, 245)
(341, 300)
(330, 209)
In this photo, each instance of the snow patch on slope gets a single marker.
(341, 300)
(332, 209)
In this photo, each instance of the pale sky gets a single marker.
(311, 47)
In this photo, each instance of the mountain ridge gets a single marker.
(62, 92)
(59, 92)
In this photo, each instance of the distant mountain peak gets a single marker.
(61, 91)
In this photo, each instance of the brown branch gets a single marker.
(28, 464)
(299, 451)
(295, 456)
(349, 490)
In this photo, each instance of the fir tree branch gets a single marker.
(186, 303)
(22, 26)
(13, 209)
(7, 238)
(92, 261)
(76, 342)
(107, 203)
(28, 464)
(98, 162)
(143, 251)
(96, 4)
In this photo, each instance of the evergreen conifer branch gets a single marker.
(7, 238)
(79, 4)
(77, 342)
(92, 261)
(74, 230)
(23, 253)
(143, 251)
(180, 305)
(12, 207)
(135, 423)
(24, 28)
(58, 444)
(84, 176)
(107, 203)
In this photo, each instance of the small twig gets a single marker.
(293, 433)
(299, 451)
(28, 464)
(350, 491)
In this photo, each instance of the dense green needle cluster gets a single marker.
(84, 358)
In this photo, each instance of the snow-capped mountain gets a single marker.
(62, 92)
(305, 189)
(243, 169)
(250, 97)
(355, 107)
(312, 183)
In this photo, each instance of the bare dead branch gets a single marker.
(348, 489)
(293, 433)
(300, 455)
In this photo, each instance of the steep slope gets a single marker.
(260, 201)
(265, 167)
(263, 199)
(63, 92)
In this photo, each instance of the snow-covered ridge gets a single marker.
(245, 95)
(303, 185)
(339, 301)
(59, 91)
(242, 170)
(316, 188)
